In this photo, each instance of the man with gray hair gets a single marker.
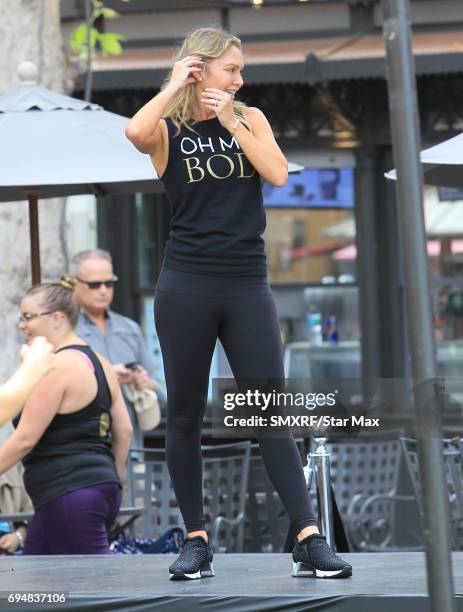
(116, 337)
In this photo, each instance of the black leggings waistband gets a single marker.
(225, 287)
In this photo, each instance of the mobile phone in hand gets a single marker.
(133, 365)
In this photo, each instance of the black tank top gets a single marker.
(215, 194)
(75, 449)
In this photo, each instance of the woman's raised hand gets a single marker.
(186, 71)
(221, 103)
(38, 355)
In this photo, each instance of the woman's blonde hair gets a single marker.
(59, 297)
(208, 43)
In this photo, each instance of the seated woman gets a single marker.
(73, 435)
(37, 359)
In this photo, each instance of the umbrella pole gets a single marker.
(32, 195)
(405, 139)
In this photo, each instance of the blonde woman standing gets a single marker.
(211, 152)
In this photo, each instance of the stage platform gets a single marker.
(382, 582)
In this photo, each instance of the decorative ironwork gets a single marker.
(366, 3)
(441, 113)
(339, 113)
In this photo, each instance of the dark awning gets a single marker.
(291, 61)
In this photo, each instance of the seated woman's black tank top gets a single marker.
(215, 194)
(75, 449)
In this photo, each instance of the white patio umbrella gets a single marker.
(442, 163)
(54, 145)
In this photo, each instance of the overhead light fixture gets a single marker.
(345, 139)
(257, 4)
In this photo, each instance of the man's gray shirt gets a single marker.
(122, 342)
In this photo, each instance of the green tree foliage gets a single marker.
(109, 43)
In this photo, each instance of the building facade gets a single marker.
(318, 72)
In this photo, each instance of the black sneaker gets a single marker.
(312, 556)
(195, 560)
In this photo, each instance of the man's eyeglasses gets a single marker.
(109, 284)
(27, 316)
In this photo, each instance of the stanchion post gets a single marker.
(318, 465)
(403, 109)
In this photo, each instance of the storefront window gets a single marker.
(444, 229)
(152, 229)
(310, 233)
(311, 254)
(146, 235)
(81, 223)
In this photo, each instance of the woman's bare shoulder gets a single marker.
(66, 365)
(256, 118)
(252, 112)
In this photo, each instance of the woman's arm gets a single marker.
(121, 430)
(12, 541)
(37, 415)
(260, 146)
(121, 426)
(143, 129)
(37, 360)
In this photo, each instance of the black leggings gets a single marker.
(191, 312)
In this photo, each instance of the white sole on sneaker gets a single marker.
(302, 570)
(205, 572)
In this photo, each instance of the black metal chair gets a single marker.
(225, 484)
(365, 477)
(225, 481)
(453, 463)
(266, 526)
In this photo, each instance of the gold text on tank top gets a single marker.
(197, 172)
(105, 424)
